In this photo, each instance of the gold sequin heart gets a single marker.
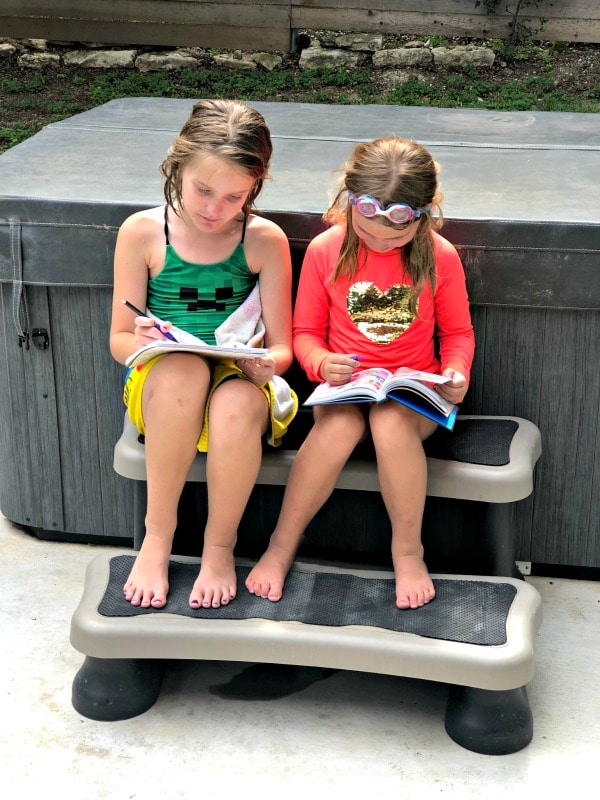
(380, 316)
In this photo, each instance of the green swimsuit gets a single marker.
(199, 297)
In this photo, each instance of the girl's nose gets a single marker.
(213, 206)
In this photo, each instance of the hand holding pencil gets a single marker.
(143, 320)
(337, 368)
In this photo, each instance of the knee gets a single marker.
(392, 422)
(238, 408)
(342, 425)
(181, 380)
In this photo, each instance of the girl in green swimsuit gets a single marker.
(193, 263)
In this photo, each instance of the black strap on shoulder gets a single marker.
(167, 224)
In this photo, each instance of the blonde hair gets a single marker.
(226, 128)
(393, 170)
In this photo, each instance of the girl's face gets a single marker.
(213, 192)
(379, 237)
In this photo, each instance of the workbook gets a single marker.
(187, 343)
(411, 388)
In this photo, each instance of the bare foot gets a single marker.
(266, 579)
(414, 587)
(216, 582)
(148, 584)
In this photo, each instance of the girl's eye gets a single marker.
(235, 199)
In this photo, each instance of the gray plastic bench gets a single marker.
(486, 459)
(477, 635)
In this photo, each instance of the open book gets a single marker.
(410, 388)
(187, 343)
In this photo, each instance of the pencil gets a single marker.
(141, 313)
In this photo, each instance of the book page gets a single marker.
(420, 375)
(363, 386)
(199, 348)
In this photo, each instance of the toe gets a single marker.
(220, 598)
(136, 597)
(275, 592)
(261, 589)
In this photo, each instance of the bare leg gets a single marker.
(173, 402)
(335, 434)
(238, 417)
(398, 435)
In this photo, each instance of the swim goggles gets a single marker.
(398, 213)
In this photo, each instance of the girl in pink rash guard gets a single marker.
(379, 288)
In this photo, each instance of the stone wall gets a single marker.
(325, 49)
(272, 24)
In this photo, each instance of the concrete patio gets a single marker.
(224, 726)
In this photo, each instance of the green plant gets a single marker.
(16, 85)
(436, 41)
(560, 47)
(323, 96)
(536, 93)
(518, 30)
(594, 93)
(490, 5)
(14, 134)
(123, 83)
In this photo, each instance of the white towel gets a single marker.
(245, 328)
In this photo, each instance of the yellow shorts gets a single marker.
(136, 377)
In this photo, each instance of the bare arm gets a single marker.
(268, 252)
(135, 248)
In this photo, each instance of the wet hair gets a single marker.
(225, 128)
(393, 170)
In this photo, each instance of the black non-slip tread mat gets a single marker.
(466, 611)
(485, 442)
(474, 441)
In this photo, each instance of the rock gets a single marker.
(235, 61)
(156, 62)
(365, 42)
(268, 61)
(39, 60)
(100, 59)
(315, 57)
(403, 57)
(461, 56)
